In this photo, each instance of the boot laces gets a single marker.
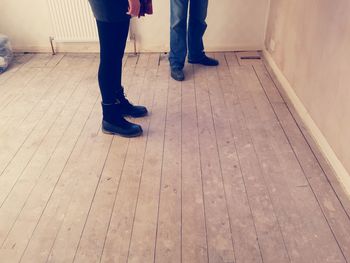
(121, 98)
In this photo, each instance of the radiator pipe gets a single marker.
(52, 47)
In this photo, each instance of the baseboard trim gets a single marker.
(93, 47)
(69, 47)
(326, 150)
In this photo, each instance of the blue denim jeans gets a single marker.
(179, 34)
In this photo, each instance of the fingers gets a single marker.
(133, 11)
(134, 7)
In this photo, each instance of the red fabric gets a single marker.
(146, 7)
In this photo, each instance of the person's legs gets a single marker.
(112, 45)
(196, 29)
(178, 32)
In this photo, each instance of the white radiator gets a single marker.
(73, 21)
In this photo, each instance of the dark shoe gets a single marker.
(114, 123)
(123, 128)
(177, 74)
(129, 110)
(206, 61)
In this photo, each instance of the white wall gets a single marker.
(26, 22)
(309, 44)
(232, 25)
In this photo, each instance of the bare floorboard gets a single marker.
(224, 172)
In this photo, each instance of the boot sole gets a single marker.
(122, 135)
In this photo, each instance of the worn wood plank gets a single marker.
(271, 240)
(23, 154)
(331, 176)
(91, 243)
(16, 187)
(219, 235)
(290, 192)
(168, 240)
(23, 93)
(142, 243)
(51, 218)
(246, 246)
(90, 165)
(12, 87)
(223, 173)
(60, 202)
(33, 190)
(25, 120)
(194, 234)
(18, 62)
(118, 237)
(41, 60)
(55, 60)
(327, 199)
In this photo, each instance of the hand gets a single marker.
(134, 7)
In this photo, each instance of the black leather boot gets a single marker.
(129, 110)
(114, 123)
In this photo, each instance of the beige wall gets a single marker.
(309, 41)
(26, 22)
(233, 24)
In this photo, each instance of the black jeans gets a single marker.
(112, 37)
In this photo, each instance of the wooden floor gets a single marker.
(223, 172)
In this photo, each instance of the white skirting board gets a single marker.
(327, 151)
(69, 47)
(93, 47)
